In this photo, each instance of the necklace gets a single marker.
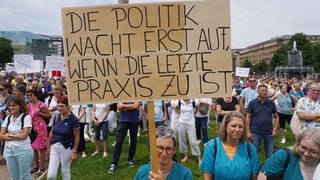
(165, 172)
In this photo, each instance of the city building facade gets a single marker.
(265, 50)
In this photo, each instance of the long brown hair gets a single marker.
(22, 104)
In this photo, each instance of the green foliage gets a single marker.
(247, 64)
(316, 57)
(310, 53)
(6, 51)
(280, 57)
(261, 67)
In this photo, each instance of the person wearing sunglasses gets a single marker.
(308, 108)
(168, 168)
(303, 159)
(248, 94)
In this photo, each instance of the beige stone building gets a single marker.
(265, 50)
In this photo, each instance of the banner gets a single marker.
(147, 51)
(10, 67)
(55, 66)
(23, 63)
(54, 63)
(242, 72)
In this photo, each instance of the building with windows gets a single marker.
(265, 50)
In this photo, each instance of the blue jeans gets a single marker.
(104, 125)
(268, 142)
(19, 162)
(202, 126)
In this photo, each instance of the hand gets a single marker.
(38, 111)
(153, 176)
(48, 152)
(244, 111)
(274, 133)
(73, 156)
(96, 122)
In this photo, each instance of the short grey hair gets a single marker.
(166, 132)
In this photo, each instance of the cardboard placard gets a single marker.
(147, 51)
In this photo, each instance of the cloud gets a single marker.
(252, 21)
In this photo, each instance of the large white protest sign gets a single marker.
(242, 72)
(37, 66)
(147, 51)
(23, 63)
(10, 67)
(54, 63)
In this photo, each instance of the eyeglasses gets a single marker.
(168, 150)
(1, 89)
(30, 94)
(304, 149)
(252, 80)
(11, 105)
(315, 90)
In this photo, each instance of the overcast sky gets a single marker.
(252, 21)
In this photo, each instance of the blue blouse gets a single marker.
(62, 130)
(178, 172)
(221, 167)
(275, 165)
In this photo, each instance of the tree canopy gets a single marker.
(247, 64)
(310, 52)
(6, 51)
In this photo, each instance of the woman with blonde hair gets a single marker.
(229, 156)
(299, 163)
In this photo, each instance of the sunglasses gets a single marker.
(252, 80)
(30, 94)
(1, 89)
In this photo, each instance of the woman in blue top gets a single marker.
(229, 156)
(168, 168)
(284, 108)
(63, 141)
(302, 161)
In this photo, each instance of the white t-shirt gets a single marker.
(174, 115)
(15, 128)
(76, 111)
(101, 112)
(187, 112)
(53, 104)
(316, 175)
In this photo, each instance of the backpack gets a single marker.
(46, 120)
(203, 108)
(193, 104)
(32, 133)
(113, 107)
(22, 120)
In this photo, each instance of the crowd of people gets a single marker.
(38, 124)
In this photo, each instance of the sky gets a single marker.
(252, 21)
